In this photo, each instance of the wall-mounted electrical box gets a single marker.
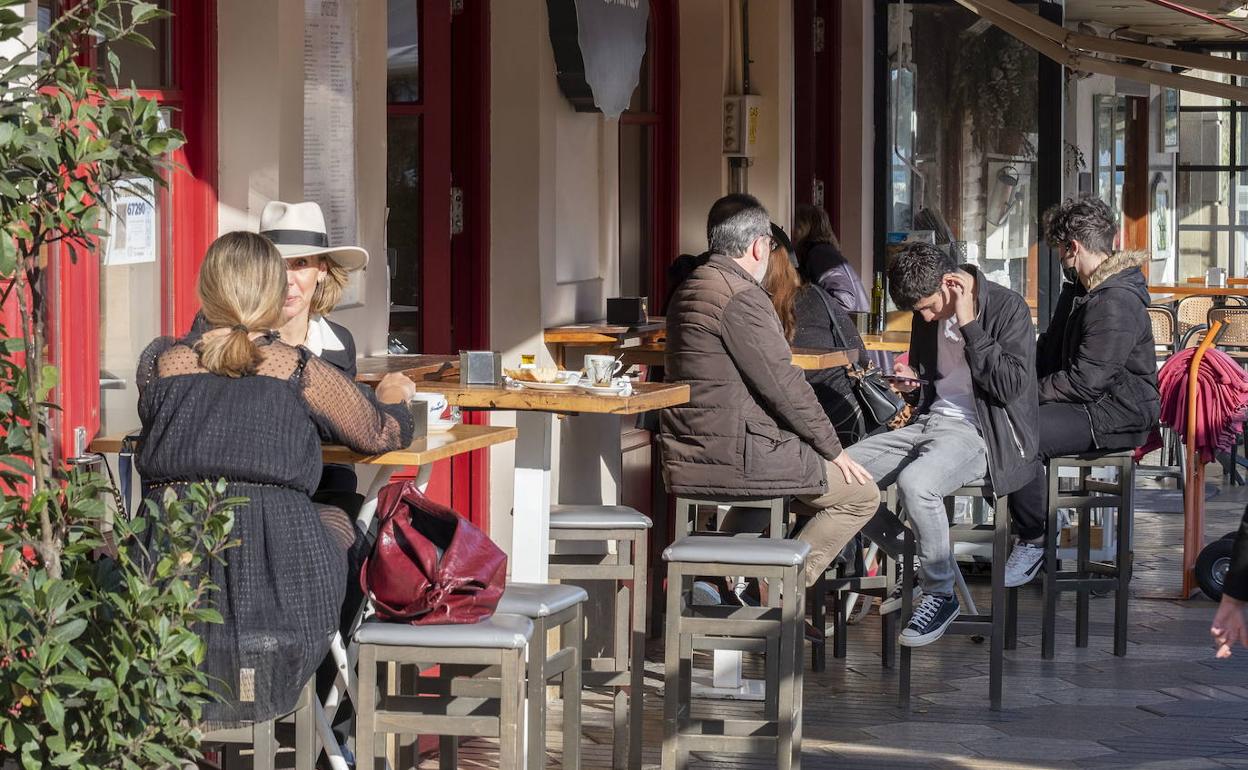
(741, 113)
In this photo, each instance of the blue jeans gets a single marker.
(927, 460)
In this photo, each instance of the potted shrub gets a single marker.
(98, 651)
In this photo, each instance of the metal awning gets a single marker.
(1087, 53)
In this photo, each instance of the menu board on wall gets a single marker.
(329, 121)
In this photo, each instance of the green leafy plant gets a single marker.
(996, 83)
(98, 651)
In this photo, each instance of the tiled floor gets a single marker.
(1167, 705)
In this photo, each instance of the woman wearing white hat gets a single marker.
(315, 278)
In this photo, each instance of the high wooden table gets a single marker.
(892, 342)
(418, 367)
(1197, 290)
(810, 359)
(535, 418)
(601, 336)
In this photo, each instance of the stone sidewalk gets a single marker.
(1168, 705)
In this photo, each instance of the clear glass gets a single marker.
(131, 297)
(405, 227)
(963, 101)
(635, 226)
(142, 66)
(403, 51)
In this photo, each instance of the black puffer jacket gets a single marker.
(1099, 352)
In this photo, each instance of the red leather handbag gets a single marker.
(430, 566)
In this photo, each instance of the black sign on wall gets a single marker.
(598, 48)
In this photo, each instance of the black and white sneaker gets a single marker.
(1024, 564)
(930, 619)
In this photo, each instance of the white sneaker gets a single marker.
(1024, 564)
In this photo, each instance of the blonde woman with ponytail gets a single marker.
(236, 403)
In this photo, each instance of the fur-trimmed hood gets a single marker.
(1116, 263)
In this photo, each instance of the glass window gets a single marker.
(403, 51)
(140, 65)
(963, 100)
(405, 229)
(1212, 195)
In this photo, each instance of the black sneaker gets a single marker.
(930, 619)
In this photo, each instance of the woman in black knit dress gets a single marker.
(238, 404)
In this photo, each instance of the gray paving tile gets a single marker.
(955, 732)
(1038, 749)
(1092, 696)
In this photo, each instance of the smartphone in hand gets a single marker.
(902, 383)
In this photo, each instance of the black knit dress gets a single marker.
(281, 588)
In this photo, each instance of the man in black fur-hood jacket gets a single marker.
(1097, 364)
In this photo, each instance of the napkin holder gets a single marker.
(420, 418)
(480, 367)
(627, 311)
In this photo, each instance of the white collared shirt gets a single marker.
(321, 336)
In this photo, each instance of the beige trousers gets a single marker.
(838, 515)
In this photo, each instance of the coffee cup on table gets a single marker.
(600, 369)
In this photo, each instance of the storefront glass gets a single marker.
(963, 129)
(1212, 182)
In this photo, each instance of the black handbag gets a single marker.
(881, 407)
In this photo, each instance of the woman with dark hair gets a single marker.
(821, 261)
(811, 319)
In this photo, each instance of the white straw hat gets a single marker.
(298, 230)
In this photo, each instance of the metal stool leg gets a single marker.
(1048, 622)
(1123, 555)
(1011, 619)
(1000, 553)
(790, 663)
(907, 608)
(819, 619)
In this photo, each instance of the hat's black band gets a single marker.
(297, 238)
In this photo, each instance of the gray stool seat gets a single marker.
(499, 631)
(762, 552)
(539, 600)
(597, 517)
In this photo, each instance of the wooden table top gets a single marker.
(1231, 280)
(418, 367)
(436, 446)
(601, 332)
(646, 397)
(810, 359)
(893, 342)
(1197, 290)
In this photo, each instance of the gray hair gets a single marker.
(733, 236)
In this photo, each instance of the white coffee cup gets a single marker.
(600, 369)
(436, 404)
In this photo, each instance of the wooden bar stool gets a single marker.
(500, 641)
(261, 737)
(551, 607)
(1090, 574)
(993, 624)
(775, 630)
(622, 672)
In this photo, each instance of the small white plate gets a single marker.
(603, 390)
(551, 387)
(441, 426)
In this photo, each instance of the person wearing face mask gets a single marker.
(753, 427)
(1097, 364)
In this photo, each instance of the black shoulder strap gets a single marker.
(304, 355)
(827, 303)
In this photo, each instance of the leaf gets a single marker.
(53, 711)
(68, 632)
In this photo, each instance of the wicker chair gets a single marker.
(1166, 339)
